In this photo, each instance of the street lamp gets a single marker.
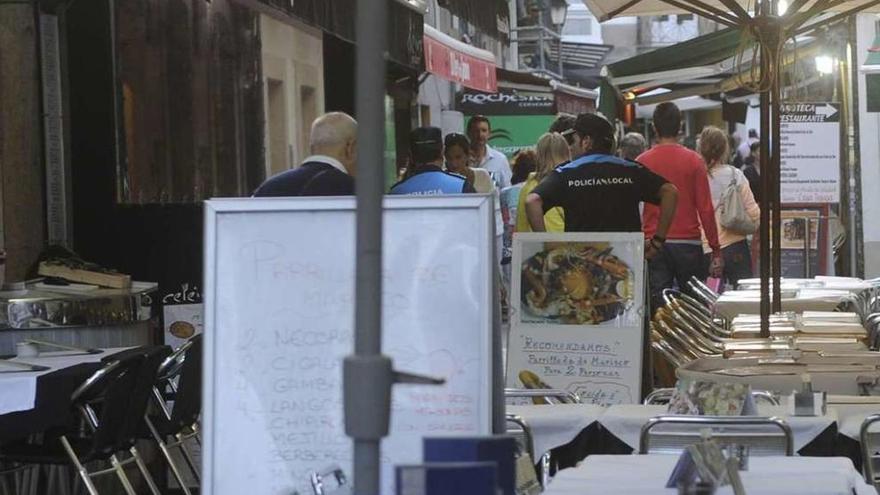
(558, 12)
(824, 64)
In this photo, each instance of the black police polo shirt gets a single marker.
(600, 193)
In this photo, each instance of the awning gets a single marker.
(606, 9)
(582, 55)
(693, 58)
(684, 104)
(697, 67)
(459, 62)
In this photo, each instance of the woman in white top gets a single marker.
(456, 149)
(715, 147)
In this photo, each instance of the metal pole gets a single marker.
(367, 375)
(766, 202)
(807, 239)
(559, 44)
(775, 178)
(541, 42)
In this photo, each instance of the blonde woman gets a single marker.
(552, 151)
(715, 148)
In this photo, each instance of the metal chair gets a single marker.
(110, 404)
(522, 432)
(870, 448)
(549, 395)
(675, 357)
(672, 434)
(662, 396)
(181, 420)
(702, 291)
(336, 475)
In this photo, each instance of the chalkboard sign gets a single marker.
(578, 315)
(279, 313)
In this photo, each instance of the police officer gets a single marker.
(600, 192)
(426, 176)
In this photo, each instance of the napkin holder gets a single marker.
(705, 461)
(807, 403)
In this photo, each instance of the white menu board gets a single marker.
(279, 313)
(810, 144)
(578, 315)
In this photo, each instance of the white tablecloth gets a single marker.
(851, 416)
(625, 421)
(20, 388)
(734, 303)
(556, 424)
(648, 474)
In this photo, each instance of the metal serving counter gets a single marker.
(97, 318)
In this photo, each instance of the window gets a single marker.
(185, 118)
(682, 18)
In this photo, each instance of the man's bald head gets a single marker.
(335, 134)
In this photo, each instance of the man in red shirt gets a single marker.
(679, 256)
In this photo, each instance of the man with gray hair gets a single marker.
(632, 145)
(330, 169)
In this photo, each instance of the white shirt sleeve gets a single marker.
(505, 174)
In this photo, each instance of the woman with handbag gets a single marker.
(736, 211)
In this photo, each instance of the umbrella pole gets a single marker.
(367, 374)
(765, 262)
(766, 202)
(776, 184)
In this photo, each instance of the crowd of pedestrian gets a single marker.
(696, 207)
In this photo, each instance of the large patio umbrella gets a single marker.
(764, 31)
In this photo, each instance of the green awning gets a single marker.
(702, 51)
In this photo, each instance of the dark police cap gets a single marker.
(426, 138)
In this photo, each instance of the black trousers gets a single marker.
(673, 266)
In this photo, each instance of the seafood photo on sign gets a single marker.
(574, 283)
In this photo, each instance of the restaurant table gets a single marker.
(648, 474)
(556, 425)
(733, 303)
(32, 402)
(622, 424)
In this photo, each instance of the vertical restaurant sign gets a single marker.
(459, 62)
(810, 146)
(182, 314)
(578, 315)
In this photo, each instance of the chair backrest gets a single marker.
(339, 482)
(110, 386)
(139, 395)
(547, 395)
(672, 434)
(870, 441)
(518, 428)
(188, 400)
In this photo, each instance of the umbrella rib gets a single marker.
(622, 8)
(799, 19)
(695, 10)
(838, 17)
(796, 6)
(715, 10)
(737, 9)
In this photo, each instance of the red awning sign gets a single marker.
(459, 62)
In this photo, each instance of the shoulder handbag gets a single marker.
(732, 213)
